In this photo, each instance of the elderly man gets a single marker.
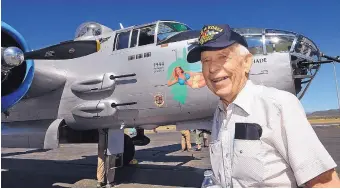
(260, 135)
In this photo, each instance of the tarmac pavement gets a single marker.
(161, 163)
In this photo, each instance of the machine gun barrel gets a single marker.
(318, 62)
(112, 77)
(335, 59)
(330, 60)
(113, 105)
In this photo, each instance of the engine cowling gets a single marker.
(16, 84)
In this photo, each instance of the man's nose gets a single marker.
(214, 67)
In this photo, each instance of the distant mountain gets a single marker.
(324, 113)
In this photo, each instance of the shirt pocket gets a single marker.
(248, 168)
(216, 159)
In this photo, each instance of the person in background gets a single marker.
(199, 139)
(154, 130)
(101, 166)
(205, 139)
(201, 136)
(185, 142)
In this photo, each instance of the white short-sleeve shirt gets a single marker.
(288, 153)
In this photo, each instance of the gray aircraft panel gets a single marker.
(38, 108)
(273, 70)
(27, 134)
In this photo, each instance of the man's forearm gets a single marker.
(328, 179)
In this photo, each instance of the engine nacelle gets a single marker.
(17, 82)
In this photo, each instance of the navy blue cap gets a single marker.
(214, 37)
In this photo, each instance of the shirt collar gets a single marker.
(244, 98)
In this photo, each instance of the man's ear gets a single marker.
(248, 61)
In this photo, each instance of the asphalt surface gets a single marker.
(161, 164)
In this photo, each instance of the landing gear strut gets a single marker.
(113, 153)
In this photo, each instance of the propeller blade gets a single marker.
(65, 50)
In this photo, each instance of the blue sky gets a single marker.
(48, 22)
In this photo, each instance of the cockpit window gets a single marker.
(279, 43)
(179, 27)
(88, 29)
(147, 35)
(168, 29)
(255, 44)
(307, 48)
(123, 40)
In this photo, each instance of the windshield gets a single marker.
(168, 29)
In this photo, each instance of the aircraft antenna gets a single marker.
(336, 84)
(334, 59)
(121, 26)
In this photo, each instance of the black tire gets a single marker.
(129, 150)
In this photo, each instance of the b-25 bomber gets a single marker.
(126, 78)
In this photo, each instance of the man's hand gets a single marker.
(328, 179)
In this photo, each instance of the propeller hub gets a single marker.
(13, 56)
